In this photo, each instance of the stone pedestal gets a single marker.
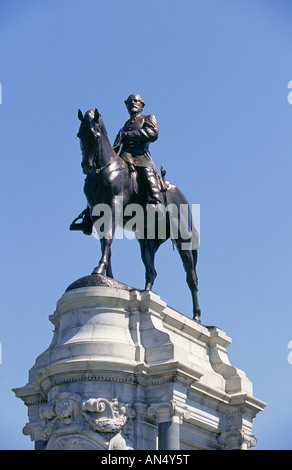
(125, 371)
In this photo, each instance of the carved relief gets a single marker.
(67, 414)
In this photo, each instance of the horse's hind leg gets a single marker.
(189, 262)
(108, 271)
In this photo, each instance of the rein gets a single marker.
(99, 170)
(104, 167)
(117, 167)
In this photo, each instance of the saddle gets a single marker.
(134, 163)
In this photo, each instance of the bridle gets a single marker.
(97, 133)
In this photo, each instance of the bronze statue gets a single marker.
(117, 179)
(132, 144)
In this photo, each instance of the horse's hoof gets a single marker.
(196, 318)
(98, 270)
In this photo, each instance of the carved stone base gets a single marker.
(125, 371)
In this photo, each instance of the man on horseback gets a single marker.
(132, 145)
(111, 183)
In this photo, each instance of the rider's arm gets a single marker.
(118, 139)
(147, 133)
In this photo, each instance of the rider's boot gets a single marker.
(154, 194)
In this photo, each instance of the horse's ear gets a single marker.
(80, 115)
(96, 115)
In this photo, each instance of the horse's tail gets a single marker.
(195, 238)
(195, 243)
(192, 243)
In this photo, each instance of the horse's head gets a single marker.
(90, 131)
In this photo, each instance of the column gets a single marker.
(169, 416)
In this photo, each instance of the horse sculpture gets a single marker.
(110, 184)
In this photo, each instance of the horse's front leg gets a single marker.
(105, 228)
(104, 265)
(109, 271)
(148, 249)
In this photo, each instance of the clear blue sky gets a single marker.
(215, 74)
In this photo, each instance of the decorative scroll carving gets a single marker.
(68, 410)
(113, 415)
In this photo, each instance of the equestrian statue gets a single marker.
(124, 176)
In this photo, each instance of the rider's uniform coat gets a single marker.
(137, 134)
